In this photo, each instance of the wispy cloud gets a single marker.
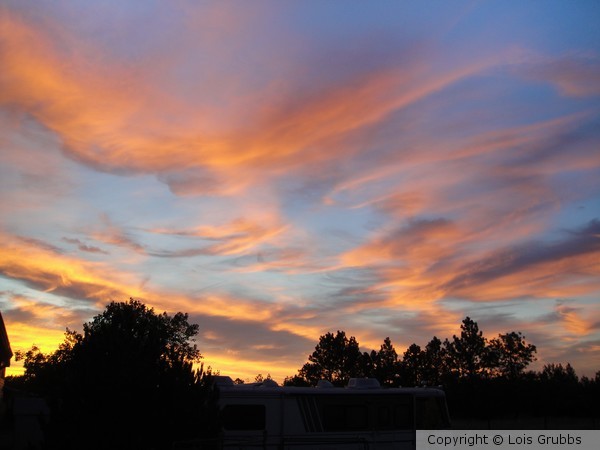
(84, 247)
(534, 268)
(573, 75)
(237, 237)
(107, 121)
(109, 233)
(573, 322)
(47, 270)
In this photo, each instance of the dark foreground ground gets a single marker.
(527, 423)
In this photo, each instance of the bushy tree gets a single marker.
(435, 366)
(127, 382)
(467, 353)
(559, 374)
(482, 378)
(509, 354)
(386, 364)
(296, 380)
(336, 358)
(561, 387)
(259, 378)
(411, 372)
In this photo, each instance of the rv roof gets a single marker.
(270, 387)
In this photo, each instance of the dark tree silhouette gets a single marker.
(259, 378)
(336, 358)
(467, 354)
(411, 373)
(509, 354)
(368, 363)
(557, 373)
(434, 362)
(386, 364)
(296, 380)
(126, 382)
(561, 389)
(483, 380)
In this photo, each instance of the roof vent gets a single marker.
(363, 383)
(221, 380)
(268, 383)
(324, 384)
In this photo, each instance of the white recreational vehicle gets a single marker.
(362, 415)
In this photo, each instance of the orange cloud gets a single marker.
(421, 176)
(106, 113)
(420, 241)
(236, 237)
(47, 270)
(573, 322)
(520, 274)
(50, 271)
(422, 263)
(574, 75)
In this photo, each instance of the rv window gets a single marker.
(356, 417)
(345, 417)
(430, 413)
(393, 413)
(334, 418)
(403, 417)
(243, 417)
(384, 417)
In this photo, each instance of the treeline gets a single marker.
(130, 380)
(337, 358)
(482, 377)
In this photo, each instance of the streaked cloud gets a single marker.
(83, 247)
(239, 236)
(575, 76)
(556, 266)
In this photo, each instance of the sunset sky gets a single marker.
(279, 170)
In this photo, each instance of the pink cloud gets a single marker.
(573, 75)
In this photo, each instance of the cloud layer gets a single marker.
(279, 174)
